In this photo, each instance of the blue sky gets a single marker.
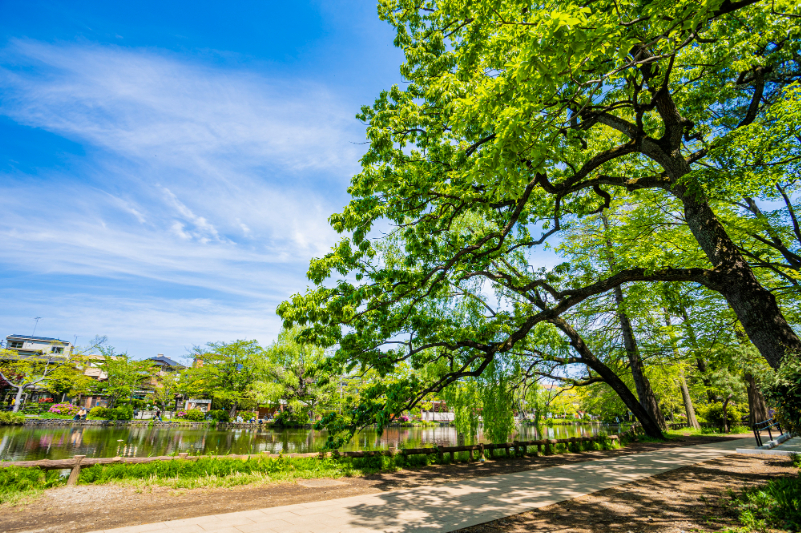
(167, 168)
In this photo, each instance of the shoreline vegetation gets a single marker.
(18, 484)
(21, 484)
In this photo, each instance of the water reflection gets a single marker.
(30, 443)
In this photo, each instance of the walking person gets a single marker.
(158, 415)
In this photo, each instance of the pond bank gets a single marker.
(91, 508)
(111, 439)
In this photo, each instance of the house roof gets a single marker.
(30, 338)
(166, 360)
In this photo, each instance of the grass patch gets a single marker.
(21, 484)
(217, 472)
(774, 505)
(711, 432)
(17, 484)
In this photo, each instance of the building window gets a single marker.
(15, 344)
(57, 349)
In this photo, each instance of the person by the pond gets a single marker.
(136, 413)
(239, 418)
(77, 415)
(158, 415)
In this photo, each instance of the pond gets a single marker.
(20, 443)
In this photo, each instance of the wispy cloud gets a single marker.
(191, 162)
(195, 176)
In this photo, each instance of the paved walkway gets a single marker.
(448, 506)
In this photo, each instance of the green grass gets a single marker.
(18, 484)
(714, 432)
(775, 505)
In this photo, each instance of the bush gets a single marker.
(219, 415)
(713, 414)
(124, 412)
(195, 415)
(290, 419)
(16, 481)
(782, 389)
(7, 418)
(64, 409)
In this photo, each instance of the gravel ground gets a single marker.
(92, 507)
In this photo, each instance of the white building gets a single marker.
(26, 345)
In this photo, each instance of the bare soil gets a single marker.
(689, 499)
(92, 507)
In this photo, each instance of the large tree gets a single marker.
(516, 121)
(225, 372)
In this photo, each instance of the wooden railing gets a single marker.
(519, 448)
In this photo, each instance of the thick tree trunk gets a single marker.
(688, 403)
(757, 408)
(649, 424)
(754, 305)
(232, 412)
(644, 391)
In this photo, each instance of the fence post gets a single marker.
(76, 471)
(182, 455)
(481, 451)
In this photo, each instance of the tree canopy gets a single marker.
(518, 127)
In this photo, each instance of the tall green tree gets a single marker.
(226, 372)
(292, 371)
(122, 375)
(519, 120)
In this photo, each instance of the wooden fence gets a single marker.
(518, 448)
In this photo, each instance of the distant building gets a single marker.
(165, 364)
(29, 346)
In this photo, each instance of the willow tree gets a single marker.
(518, 118)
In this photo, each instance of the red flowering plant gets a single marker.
(45, 400)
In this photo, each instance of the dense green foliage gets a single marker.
(124, 412)
(16, 482)
(642, 142)
(783, 389)
(9, 418)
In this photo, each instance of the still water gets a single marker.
(19, 443)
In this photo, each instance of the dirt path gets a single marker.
(92, 507)
(682, 500)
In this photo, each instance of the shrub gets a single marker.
(289, 419)
(713, 414)
(191, 414)
(64, 409)
(7, 418)
(782, 389)
(124, 412)
(16, 481)
(219, 415)
(99, 412)
(45, 400)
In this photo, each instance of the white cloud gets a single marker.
(222, 171)
(198, 180)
